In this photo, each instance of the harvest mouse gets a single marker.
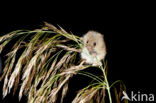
(94, 49)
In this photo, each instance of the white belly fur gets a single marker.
(90, 59)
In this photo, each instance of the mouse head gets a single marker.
(93, 41)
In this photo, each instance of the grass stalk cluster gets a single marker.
(41, 62)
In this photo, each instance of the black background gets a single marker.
(128, 28)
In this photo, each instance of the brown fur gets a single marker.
(95, 44)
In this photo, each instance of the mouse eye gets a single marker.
(87, 41)
(94, 44)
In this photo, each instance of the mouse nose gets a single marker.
(89, 48)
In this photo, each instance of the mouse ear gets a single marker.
(81, 38)
(102, 35)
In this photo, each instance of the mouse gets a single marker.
(94, 48)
